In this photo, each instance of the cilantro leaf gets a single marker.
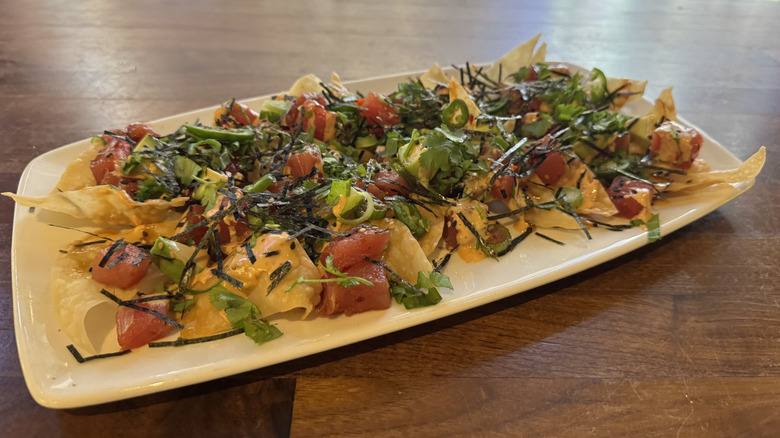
(185, 169)
(653, 227)
(568, 111)
(184, 305)
(522, 74)
(448, 156)
(419, 106)
(538, 128)
(207, 191)
(337, 190)
(424, 293)
(243, 314)
(341, 278)
(411, 217)
(150, 188)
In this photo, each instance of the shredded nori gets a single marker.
(135, 306)
(543, 236)
(516, 241)
(81, 359)
(480, 240)
(394, 274)
(249, 253)
(91, 242)
(278, 275)
(114, 262)
(116, 246)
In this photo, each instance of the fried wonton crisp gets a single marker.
(102, 205)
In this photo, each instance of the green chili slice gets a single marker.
(497, 107)
(216, 133)
(456, 114)
(600, 91)
(261, 184)
(572, 195)
(497, 240)
(410, 216)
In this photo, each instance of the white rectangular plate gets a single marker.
(56, 380)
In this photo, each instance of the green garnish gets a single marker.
(243, 314)
(261, 185)
(424, 293)
(411, 217)
(653, 227)
(185, 169)
(456, 115)
(217, 133)
(341, 278)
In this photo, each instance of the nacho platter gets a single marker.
(56, 380)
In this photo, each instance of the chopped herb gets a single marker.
(653, 227)
(243, 315)
(341, 278)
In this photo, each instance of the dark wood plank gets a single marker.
(484, 407)
(227, 407)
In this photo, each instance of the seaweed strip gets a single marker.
(91, 242)
(570, 211)
(223, 275)
(438, 265)
(394, 274)
(113, 262)
(81, 359)
(278, 275)
(549, 238)
(509, 152)
(480, 240)
(511, 213)
(116, 246)
(148, 298)
(516, 241)
(249, 253)
(134, 306)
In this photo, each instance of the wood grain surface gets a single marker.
(678, 339)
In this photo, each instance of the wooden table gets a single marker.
(680, 338)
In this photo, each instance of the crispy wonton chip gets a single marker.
(540, 54)
(595, 199)
(551, 219)
(625, 90)
(84, 314)
(307, 84)
(403, 253)
(262, 282)
(434, 76)
(664, 106)
(271, 295)
(458, 92)
(103, 205)
(520, 56)
(337, 87)
(697, 180)
(78, 174)
(430, 240)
